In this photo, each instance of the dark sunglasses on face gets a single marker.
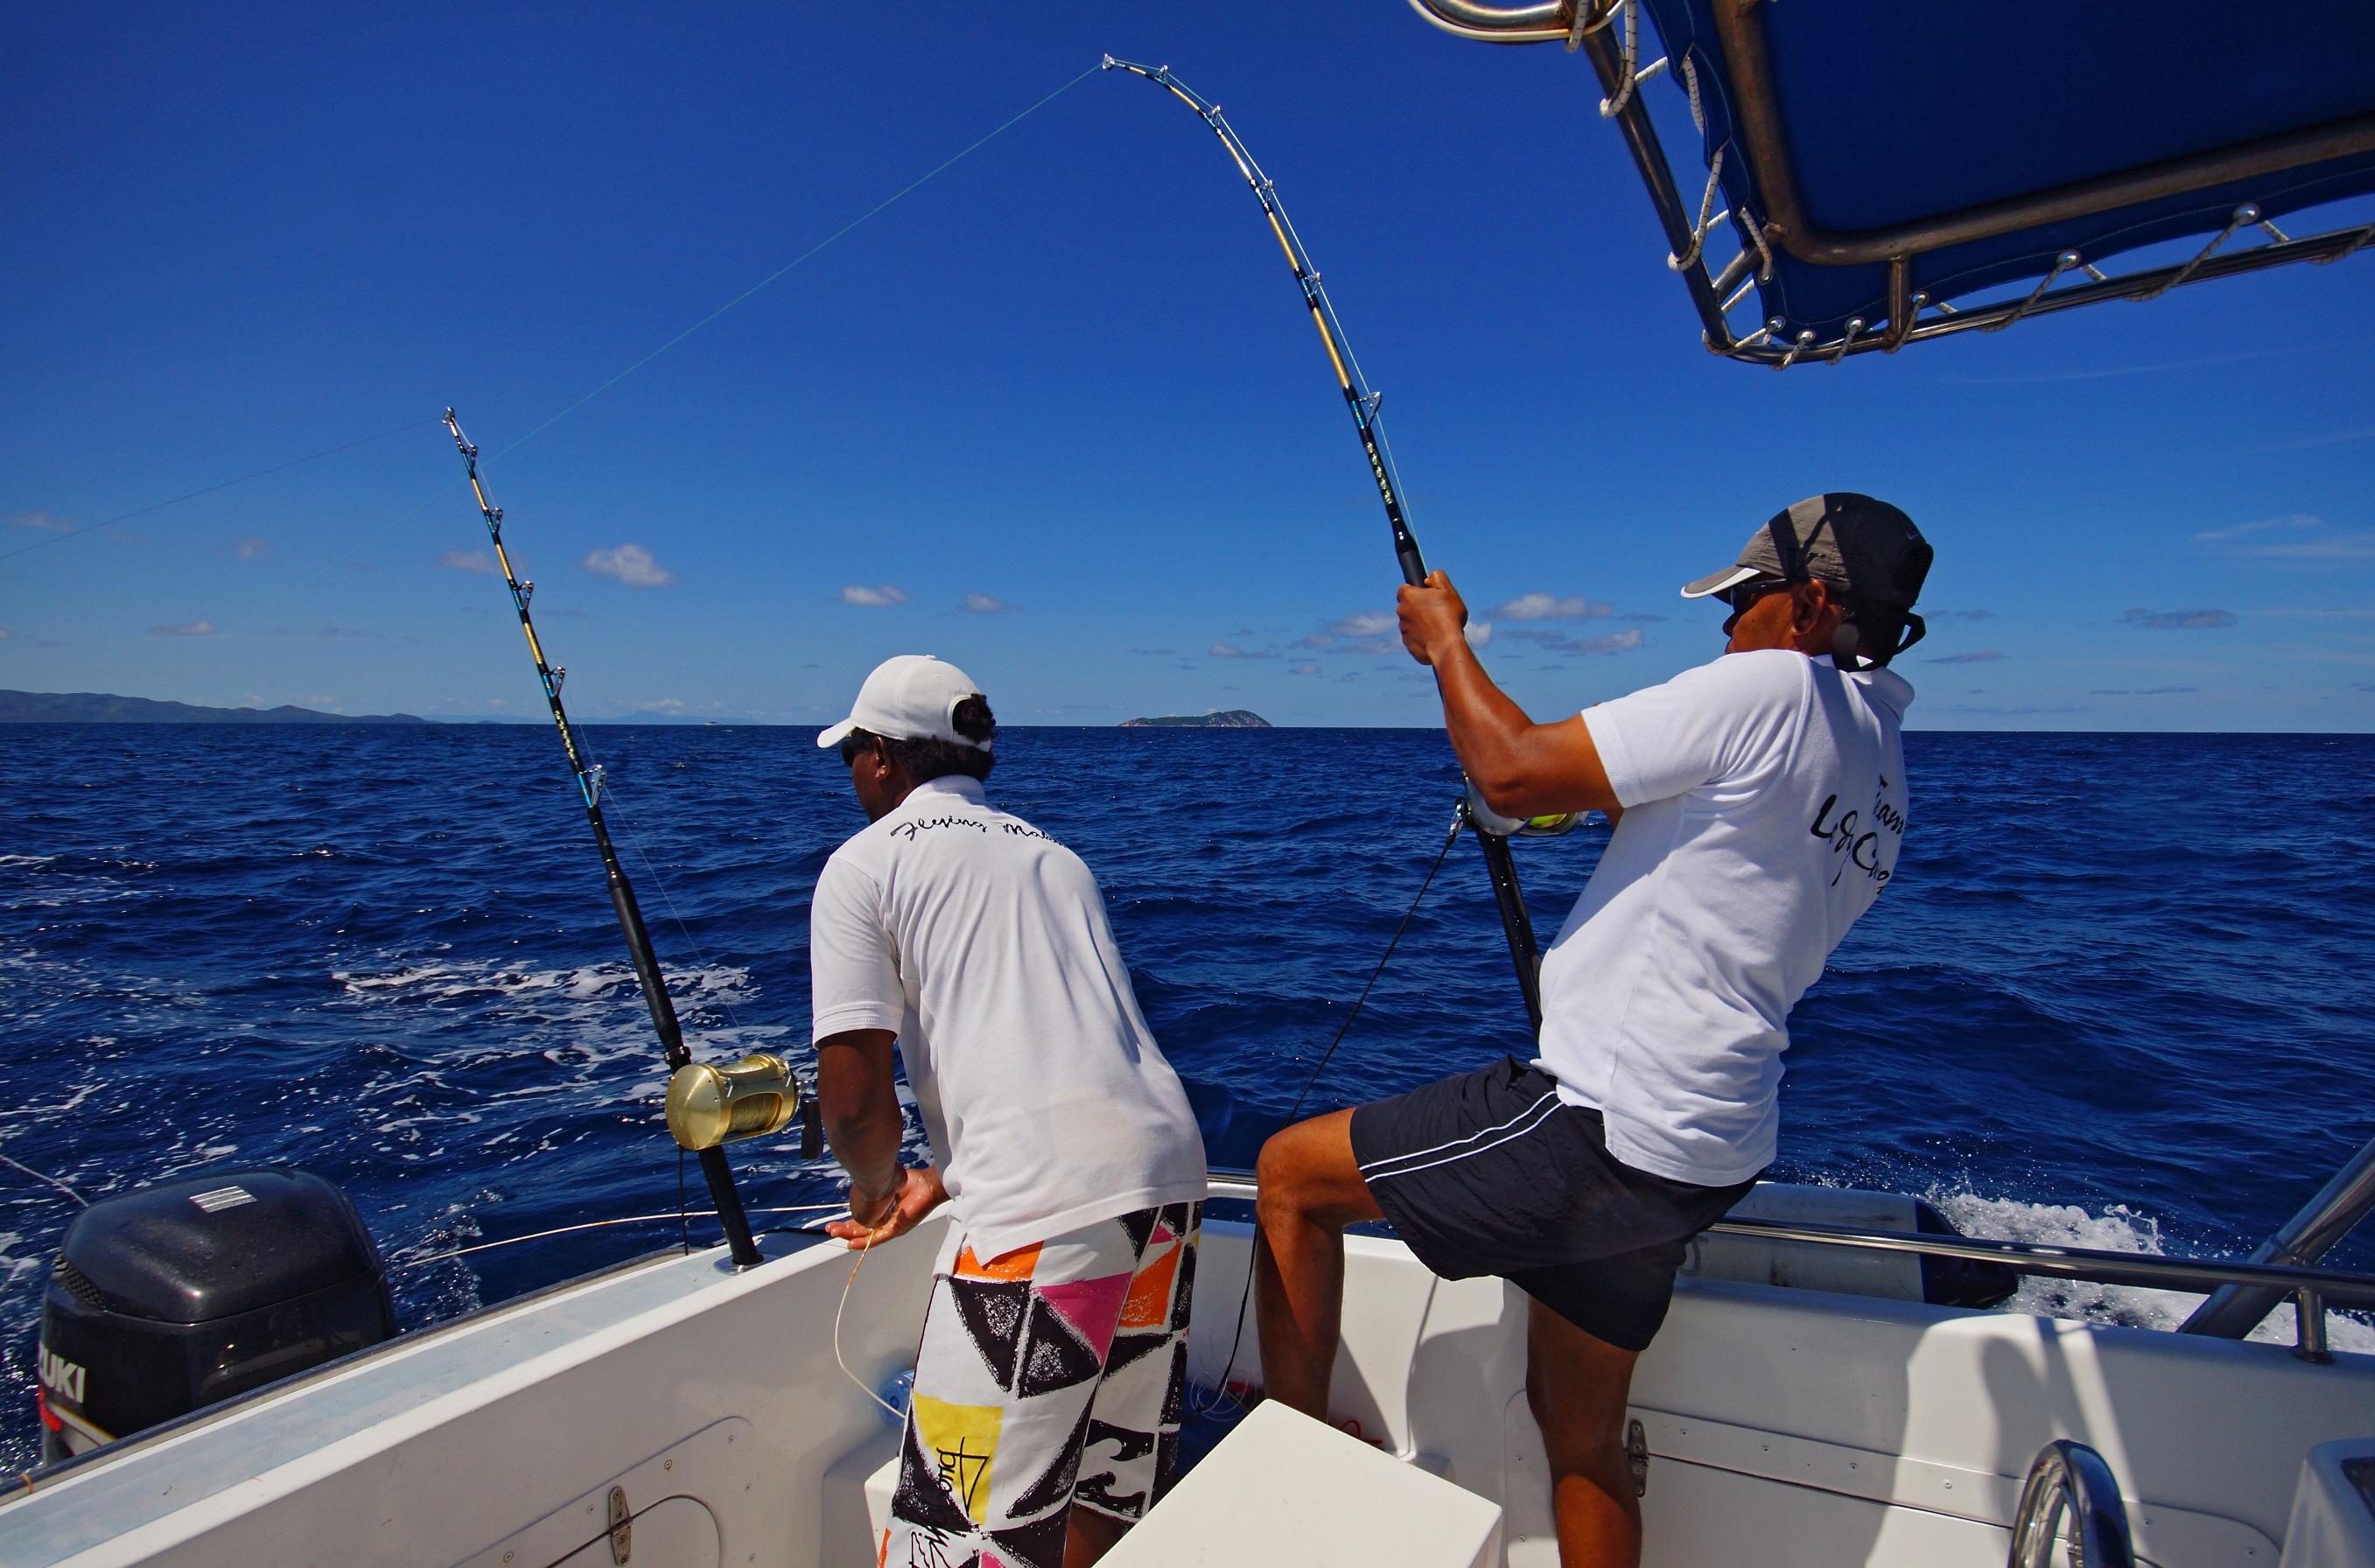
(1738, 599)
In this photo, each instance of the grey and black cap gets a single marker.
(1863, 549)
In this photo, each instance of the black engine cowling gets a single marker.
(174, 1297)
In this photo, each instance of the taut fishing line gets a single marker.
(1237, 1335)
(844, 231)
(883, 206)
(224, 485)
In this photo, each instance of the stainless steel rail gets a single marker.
(2070, 1479)
(1583, 26)
(2312, 1290)
(2232, 1310)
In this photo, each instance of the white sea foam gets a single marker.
(2119, 1227)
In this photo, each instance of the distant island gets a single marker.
(104, 708)
(1229, 718)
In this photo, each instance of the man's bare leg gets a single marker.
(1577, 1385)
(1310, 1190)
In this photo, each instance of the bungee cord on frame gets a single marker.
(1516, 925)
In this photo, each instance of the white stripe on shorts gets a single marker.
(1376, 1170)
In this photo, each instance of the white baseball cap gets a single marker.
(908, 697)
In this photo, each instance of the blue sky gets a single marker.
(1056, 415)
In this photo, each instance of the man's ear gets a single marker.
(1807, 602)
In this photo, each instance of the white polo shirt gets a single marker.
(1764, 801)
(981, 943)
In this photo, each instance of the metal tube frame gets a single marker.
(2339, 1205)
(1517, 925)
(1788, 228)
(2312, 1290)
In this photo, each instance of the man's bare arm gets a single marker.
(861, 1115)
(1521, 769)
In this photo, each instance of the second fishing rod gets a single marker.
(707, 1105)
(1516, 925)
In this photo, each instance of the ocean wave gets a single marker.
(2116, 1227)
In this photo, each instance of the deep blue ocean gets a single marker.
(2112, 997)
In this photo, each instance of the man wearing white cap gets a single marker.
(1044, 1417)
(1762, 802)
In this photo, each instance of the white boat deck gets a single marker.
(1785, 1427)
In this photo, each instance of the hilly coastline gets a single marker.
(105, 708)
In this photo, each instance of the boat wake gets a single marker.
(2119, 1227)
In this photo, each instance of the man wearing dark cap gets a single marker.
(1759, 803)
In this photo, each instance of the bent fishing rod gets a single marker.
(707, 1106)
(1362, 404)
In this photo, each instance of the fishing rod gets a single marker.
(707, 1106)
(1362, 404)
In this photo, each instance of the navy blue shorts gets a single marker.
(1491, 1173)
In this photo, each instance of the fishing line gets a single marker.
(853, 223)
(38, 1175)
(899, 1416)
(260, 473)
(588, 1225)
(1237, 1337)
(869, 215)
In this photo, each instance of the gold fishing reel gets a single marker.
(708, 1105)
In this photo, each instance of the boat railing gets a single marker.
(2232, 1310)
(2311, 1291)
(2070, 1479)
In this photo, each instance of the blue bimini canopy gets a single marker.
(1879, 174)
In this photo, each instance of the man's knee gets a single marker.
(1307, 1175)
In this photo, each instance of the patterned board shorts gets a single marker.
(1049, 1376)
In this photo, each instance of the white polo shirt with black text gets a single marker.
(983, 944)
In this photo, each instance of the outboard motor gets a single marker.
(170, 1298)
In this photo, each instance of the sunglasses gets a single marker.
(853, 745)
(1738, 599)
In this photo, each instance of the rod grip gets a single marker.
(1413, 564)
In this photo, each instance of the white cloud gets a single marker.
(631, 564)
(2333, 547)
(1369, 623)
(877, 596)
(252, 548)
(470, 561)
(1622, 641)
(194, 628)
(2180, 619)
(42, 521)
(2260, 525)
(1231, 651)
(1478, 634)
(982, 604)
(1548, 606)
(1304, 670)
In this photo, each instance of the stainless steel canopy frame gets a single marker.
(1910, 315)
